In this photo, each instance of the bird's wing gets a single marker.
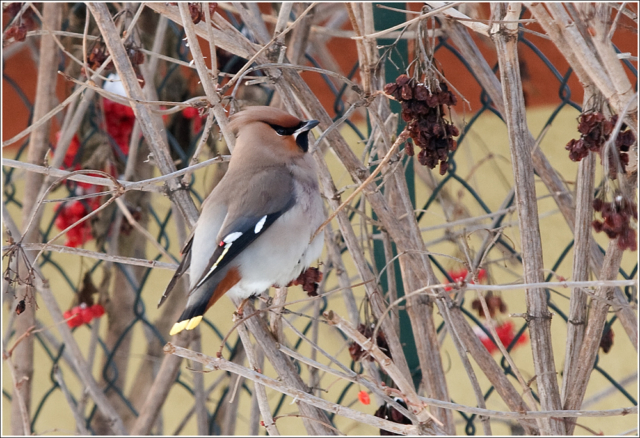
(251, 211)
(182, 268)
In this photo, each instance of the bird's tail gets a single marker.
(203, 297)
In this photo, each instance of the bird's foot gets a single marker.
(240, 309)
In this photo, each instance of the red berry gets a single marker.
(77, 209)
(190, 112)
(73, 318)
(364, 397)
(97, 310)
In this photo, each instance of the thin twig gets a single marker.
(222, 364)
(77, 415)
(401, 138)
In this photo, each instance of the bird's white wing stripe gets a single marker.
(232, 237)
(215, 265)
(260, 224)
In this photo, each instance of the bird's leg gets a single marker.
(240, 309)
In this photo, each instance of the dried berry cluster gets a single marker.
(357, 352)
(197, 14)
(494, 304)
(23, 24)
(309, 280)
(99, 54)
(424, 113)
(595, 130)
(616, 221)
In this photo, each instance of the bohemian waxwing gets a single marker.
(255, 226)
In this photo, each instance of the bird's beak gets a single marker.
(301, 136)
(306, 127)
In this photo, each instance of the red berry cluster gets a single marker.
(82, 314)
(357, 352)
(616, 221)
(506, 333)
(460, 275)
(596, 130)
(193, 114)
(23, 24)
(70, 213)
(120, 120)
(424, 113)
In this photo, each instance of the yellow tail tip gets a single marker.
(178, 327)
(193, 322)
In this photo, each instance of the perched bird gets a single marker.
(255, 227)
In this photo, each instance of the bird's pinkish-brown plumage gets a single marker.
(255, 227)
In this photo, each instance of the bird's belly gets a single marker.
(281, 253)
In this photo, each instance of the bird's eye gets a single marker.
(283, 131)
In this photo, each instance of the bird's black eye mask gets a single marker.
(300, 132)
(282, 131)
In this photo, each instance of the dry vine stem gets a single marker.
(37, 149)
(539, 317)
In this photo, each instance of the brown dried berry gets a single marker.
(408, 148)
(18, 32)
(407, 92)
(309, 280)
(356, 351)
(421, 93)
(390, 89)
(196, 13)
(402, 80)
(20, 307)
(606, 342)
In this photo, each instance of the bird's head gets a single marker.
(273, 128)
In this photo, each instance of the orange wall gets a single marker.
(541, 86)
